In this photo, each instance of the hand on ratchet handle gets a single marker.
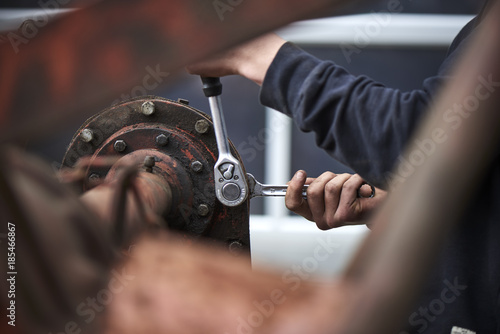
(258, 189)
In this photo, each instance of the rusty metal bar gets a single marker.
(63, 71)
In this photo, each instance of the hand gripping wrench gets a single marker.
(258, 189)
(230, 182)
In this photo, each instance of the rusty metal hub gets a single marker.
(182, 142)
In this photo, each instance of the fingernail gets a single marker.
(299, 175)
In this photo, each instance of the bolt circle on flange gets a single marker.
(170, 135)
(120, 146)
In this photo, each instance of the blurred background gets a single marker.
(399, 51)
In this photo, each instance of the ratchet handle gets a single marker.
(211, 86)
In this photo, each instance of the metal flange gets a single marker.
(182, 141)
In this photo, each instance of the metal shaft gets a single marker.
(219, 125)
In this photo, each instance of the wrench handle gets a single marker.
(211, 86)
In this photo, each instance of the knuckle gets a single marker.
(314, 193)
(329, 174)
(351, 186)
(332, 187)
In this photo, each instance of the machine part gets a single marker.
(164, 143)
(235, 247)
(257, 189)
(232, 188)
(94, 178)
(87, 135)
(120, 146)
(148, 108)
(202, 126)
(149, 163)
(197, 166)
(162, 140)
(203, 210)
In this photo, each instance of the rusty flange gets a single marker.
(182, 141)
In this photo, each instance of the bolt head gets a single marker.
(87, 135)
(148, 108)
(162, 140)
(235, 247)
(149, 161)
(120, 146)
(202, 126)
(94, 178)
(203, 210)
(197, 166)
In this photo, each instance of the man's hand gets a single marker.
(332, 200)
(250, 60)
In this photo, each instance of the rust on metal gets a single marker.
(168, 135)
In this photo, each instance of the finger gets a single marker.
(370, 205)
(309, 180)
(366, 191)
(293, 198)
(350, 207)
(333, 195)
(316, 198)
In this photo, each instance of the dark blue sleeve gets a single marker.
(356, 120)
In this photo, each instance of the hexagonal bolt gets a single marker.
(87, 135)
(148, 108)
(235, 248)
(203, 210)
(162, 140)
(196, 166)
(120, 146)
(149, 163)
(202, 126)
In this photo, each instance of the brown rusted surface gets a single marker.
(178, 289)
(63, 254)
(85, 60)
